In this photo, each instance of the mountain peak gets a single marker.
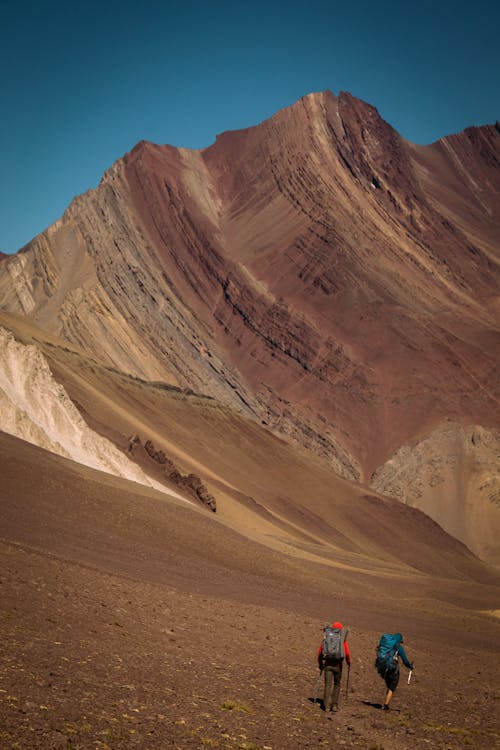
(316, 272)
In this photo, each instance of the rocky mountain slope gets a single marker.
(107, 586)
(269, 490)
(317, 272)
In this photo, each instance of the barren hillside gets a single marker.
(317, 273)
(107, 586)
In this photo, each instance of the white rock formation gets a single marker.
(35, 408)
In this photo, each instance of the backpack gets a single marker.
(387, 653)
(333, 643)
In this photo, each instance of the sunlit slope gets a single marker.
(36, 408)
(58, 508)
(453, 475)
(265, 488)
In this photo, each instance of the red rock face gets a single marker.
(319, 272)
(348, 276)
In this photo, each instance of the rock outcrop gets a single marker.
(189, 484)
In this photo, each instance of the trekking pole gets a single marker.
(317, 688)
(409, 676)
(347, 683)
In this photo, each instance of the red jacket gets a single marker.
(346, 648)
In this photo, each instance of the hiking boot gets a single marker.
(385, 707)
(334, 709)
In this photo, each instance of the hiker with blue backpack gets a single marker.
(331, 654)
(389, 649)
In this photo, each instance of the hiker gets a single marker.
(332, 650)
(389, 649)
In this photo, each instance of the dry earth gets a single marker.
(131, 620)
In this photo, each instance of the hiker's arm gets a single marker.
(402, 654)
(347, 653)
(320, 656)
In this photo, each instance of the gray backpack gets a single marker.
(333, 643)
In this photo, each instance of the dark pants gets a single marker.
(333, 676)
(391, 678)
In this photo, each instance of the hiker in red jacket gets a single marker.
(331, 654)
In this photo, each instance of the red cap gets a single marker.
(337, 625)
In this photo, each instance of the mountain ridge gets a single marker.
(316, 271)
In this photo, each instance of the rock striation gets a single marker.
(317, 272)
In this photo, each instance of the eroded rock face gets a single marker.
(453, 475)
(36, 408)
(317, 272)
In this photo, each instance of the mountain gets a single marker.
(297, 329)
(317, 273)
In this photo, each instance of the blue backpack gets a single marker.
(387, 653)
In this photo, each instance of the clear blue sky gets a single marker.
(82, 82)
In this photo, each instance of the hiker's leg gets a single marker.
(327, 700)
(337, 676)
(391, 680)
